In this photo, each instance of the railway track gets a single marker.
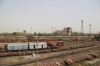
(52, 57)
(4, 54)
(71, 61)
(97, 64)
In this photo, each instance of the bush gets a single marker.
(30, 37)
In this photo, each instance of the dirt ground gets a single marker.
(4, 60)
(93, 62)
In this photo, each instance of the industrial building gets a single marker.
(67, 30)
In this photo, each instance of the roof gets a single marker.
(39, 43)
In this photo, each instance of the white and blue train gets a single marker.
(25, 46)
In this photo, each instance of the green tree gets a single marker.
(14, 33)
(5, 34)
(43, 34)
(74, 34)
(49, 34)
(30, 37)
(97, 37)
(55, 34)
(39, 34)
(35, 33)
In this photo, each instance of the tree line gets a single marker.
(31, 36)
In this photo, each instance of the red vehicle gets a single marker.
(55, 44)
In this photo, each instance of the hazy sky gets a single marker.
(41, 15)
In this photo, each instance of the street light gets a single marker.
(90, 32)
(78, 39)
(18, 41)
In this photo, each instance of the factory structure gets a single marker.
(68, 30)
(65, 30)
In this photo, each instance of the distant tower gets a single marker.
(82, 26)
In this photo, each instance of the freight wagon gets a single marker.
(16, 46)
(33, 45)
(39, 45)
(55, 44)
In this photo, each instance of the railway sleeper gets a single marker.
(54, 50)
(68, 62)
(94, 55)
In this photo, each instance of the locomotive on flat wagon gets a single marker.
(33, 45)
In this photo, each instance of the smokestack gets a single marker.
(82, 25)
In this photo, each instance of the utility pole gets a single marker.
(82, 26)
(52, 30)
(17, 33)
(90, 33)
(37, 50)
(18, 41)
(78, 40)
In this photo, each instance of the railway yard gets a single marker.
(50, 33)
(85, 54)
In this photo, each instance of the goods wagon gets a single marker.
(33, 45)
(16, 46)
(39, 45)
(55, 44)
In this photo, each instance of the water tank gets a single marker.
(69, 29)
